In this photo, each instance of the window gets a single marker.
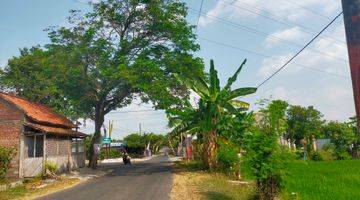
(35, 146)
(73, 145)
(81, 148)
(30, 141)
(39, 145)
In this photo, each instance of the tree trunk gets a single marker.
(172, 147)
(99, 120)
(210, 151)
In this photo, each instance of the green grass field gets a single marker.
(323, 180)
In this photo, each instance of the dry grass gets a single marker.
(30, 191)
(190, 183)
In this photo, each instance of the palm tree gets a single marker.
(214, 103)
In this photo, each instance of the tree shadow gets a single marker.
(217, 196)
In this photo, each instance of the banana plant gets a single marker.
(214, 103)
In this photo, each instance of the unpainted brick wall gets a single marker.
(57, 145)
(10, 128)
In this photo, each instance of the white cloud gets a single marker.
(270, 65)
(290, 34)
(3, 64)
(217, 11)
(128, 122)
(281, 9)
(324, 54)
(335, 101)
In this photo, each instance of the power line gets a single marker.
(296, 54)
(200, 10)
(268, 56)
(135, 111)
(309, 10)
(284, 21)
(268, 35)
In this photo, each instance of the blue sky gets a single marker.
(266, 32)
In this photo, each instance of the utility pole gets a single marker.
(351, 11)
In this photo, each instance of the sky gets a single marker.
(265, 32)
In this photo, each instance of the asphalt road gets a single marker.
(148, 180)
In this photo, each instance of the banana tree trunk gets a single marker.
(210, 151)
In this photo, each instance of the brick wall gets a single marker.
(57, 145)
(51, 145)
(10, 128)
(64, 146)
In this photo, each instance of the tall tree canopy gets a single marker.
(104, 58)
(303, 123)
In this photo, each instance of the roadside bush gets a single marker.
(51, 167)
(317, 156)
(299, 154)
(342, 154)
(267, 162)
(6, 154)
(227, 157)
(112, 153)
(328, 152)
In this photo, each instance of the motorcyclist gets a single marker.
(126, 158)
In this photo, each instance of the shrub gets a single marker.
(5, 158)
(317, 156)
(227, 156)
(267, 162)
(342, 154)
(328, 152)
(51, 167)
(112, 153)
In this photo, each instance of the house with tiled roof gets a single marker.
(39, 135)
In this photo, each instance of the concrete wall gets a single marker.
(10, 130)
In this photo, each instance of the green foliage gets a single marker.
(112, 153)
(51, 167)
(227, 156)
(88, 145)
(137, 143)
(267, 161)
(317, 156)
(274, 116)
(343, 136)
(303, 123)
(102, 59)
(215, 104)
(264, 155)
(6, 154)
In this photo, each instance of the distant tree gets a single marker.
(304, 124)
(356, 146)
(342, 136)
(140, 142)
(273, 116)
(102, 60)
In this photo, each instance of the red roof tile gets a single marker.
(37, 112)
(55, 130)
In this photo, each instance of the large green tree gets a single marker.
(120, 50)
(304, 124)
(342, 136)
(214, 104)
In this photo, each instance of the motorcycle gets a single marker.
(126, 159)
